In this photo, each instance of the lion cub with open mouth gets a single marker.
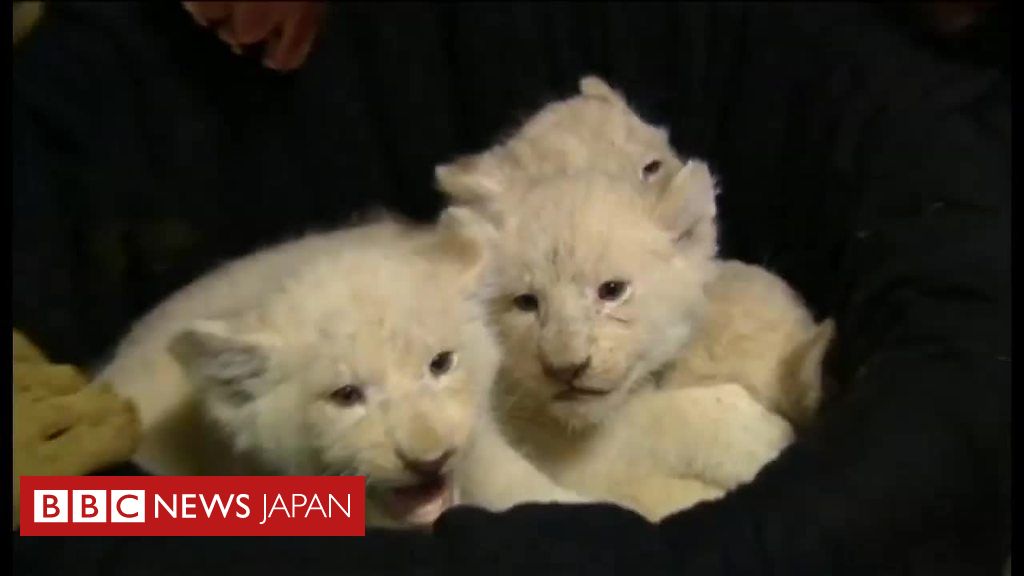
(357, 352)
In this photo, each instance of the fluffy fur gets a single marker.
(690, 321)
(615, 432)
(251, 369)
(559, 246)
(758, 331)
(663, 450)
(593, 130)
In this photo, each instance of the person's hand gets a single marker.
(286, 29)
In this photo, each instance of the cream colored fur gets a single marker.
(234, 374)
(495, 475)
(753, 330)
(759, 332)
(594, 130)
(560, 244)
(653, 448)
(662, 451)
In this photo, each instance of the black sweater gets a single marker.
(868, 169)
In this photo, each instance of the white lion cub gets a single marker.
(358, 352)
(598, 288)
(757, 333)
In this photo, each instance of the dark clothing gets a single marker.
(868, 169)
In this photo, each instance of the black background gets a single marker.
(867, 165)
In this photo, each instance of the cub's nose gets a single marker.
(430, 467)
(566, 373)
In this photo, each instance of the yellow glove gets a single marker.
(26, 15)
(61, 427)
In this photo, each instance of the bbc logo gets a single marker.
(84, 506)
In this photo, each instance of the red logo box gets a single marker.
(193, 506)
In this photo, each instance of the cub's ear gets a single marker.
(474, 179)
(220, 361)
(686, 207)
(465, 239)
(807, 373)
(810, 355)
(596, 87)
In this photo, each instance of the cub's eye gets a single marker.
(348, 395)
(612, 290)
(525, 302)
(442, 363)
(650, 170)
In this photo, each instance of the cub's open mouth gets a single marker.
(575, 393)
(419, 503)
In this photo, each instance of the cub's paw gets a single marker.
(756, 431)
(657, 496)
(721, 434)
